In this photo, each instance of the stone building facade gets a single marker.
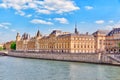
(65, 42)
(113, 41)
(7, 45)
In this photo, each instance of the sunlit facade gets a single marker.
(65, 42)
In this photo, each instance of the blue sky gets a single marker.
(46, 15)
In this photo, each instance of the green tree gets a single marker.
(119, 44)
(1, 48)
(13, 45)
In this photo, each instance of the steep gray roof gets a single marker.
(55, 32)
(114, 31)
(73, 34)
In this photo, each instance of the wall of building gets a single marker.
(31, 45)
(58, 41)
(72, 43)
(113, 41)
(83, 44)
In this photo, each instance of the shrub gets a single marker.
(1, 48)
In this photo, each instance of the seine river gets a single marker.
(34, 69)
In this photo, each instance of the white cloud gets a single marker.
(49, 19)
(40, 6)
(59, 6)
(116, 25)
(82, 22)
(39, 21)
(109, 27)
(111, 21)
(99, 21)
(20, 13)
(32, 5)
(43, 11)
(29, 15)
(13, 30)
(3, 5)
(62, 20)
(88, 7)
(5, 25)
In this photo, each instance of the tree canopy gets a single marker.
(119, 44)
(1, 48)
(13, 45)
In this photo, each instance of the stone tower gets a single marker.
(38, 35)
(18, 37)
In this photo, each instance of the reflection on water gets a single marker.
(35, 69)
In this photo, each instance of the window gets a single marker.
(74, 46)
(81, 46)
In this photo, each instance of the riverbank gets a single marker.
(88, 58)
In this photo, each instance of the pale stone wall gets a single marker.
(72, 43)
(31, 45)
(112, 45)
(55, 44)
(100, 42)
(83, 44)
(94, 58)
(19, 45)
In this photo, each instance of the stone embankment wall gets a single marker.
(92, 58)
(3, 53)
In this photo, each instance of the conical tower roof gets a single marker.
(38, 34)
(76, 31)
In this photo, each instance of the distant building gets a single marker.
(7, 45)
(65, 42)
(113, 41)
(1, 45)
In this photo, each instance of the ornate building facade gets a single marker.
(113, 41)
(65, 42)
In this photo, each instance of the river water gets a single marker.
(12, 68)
